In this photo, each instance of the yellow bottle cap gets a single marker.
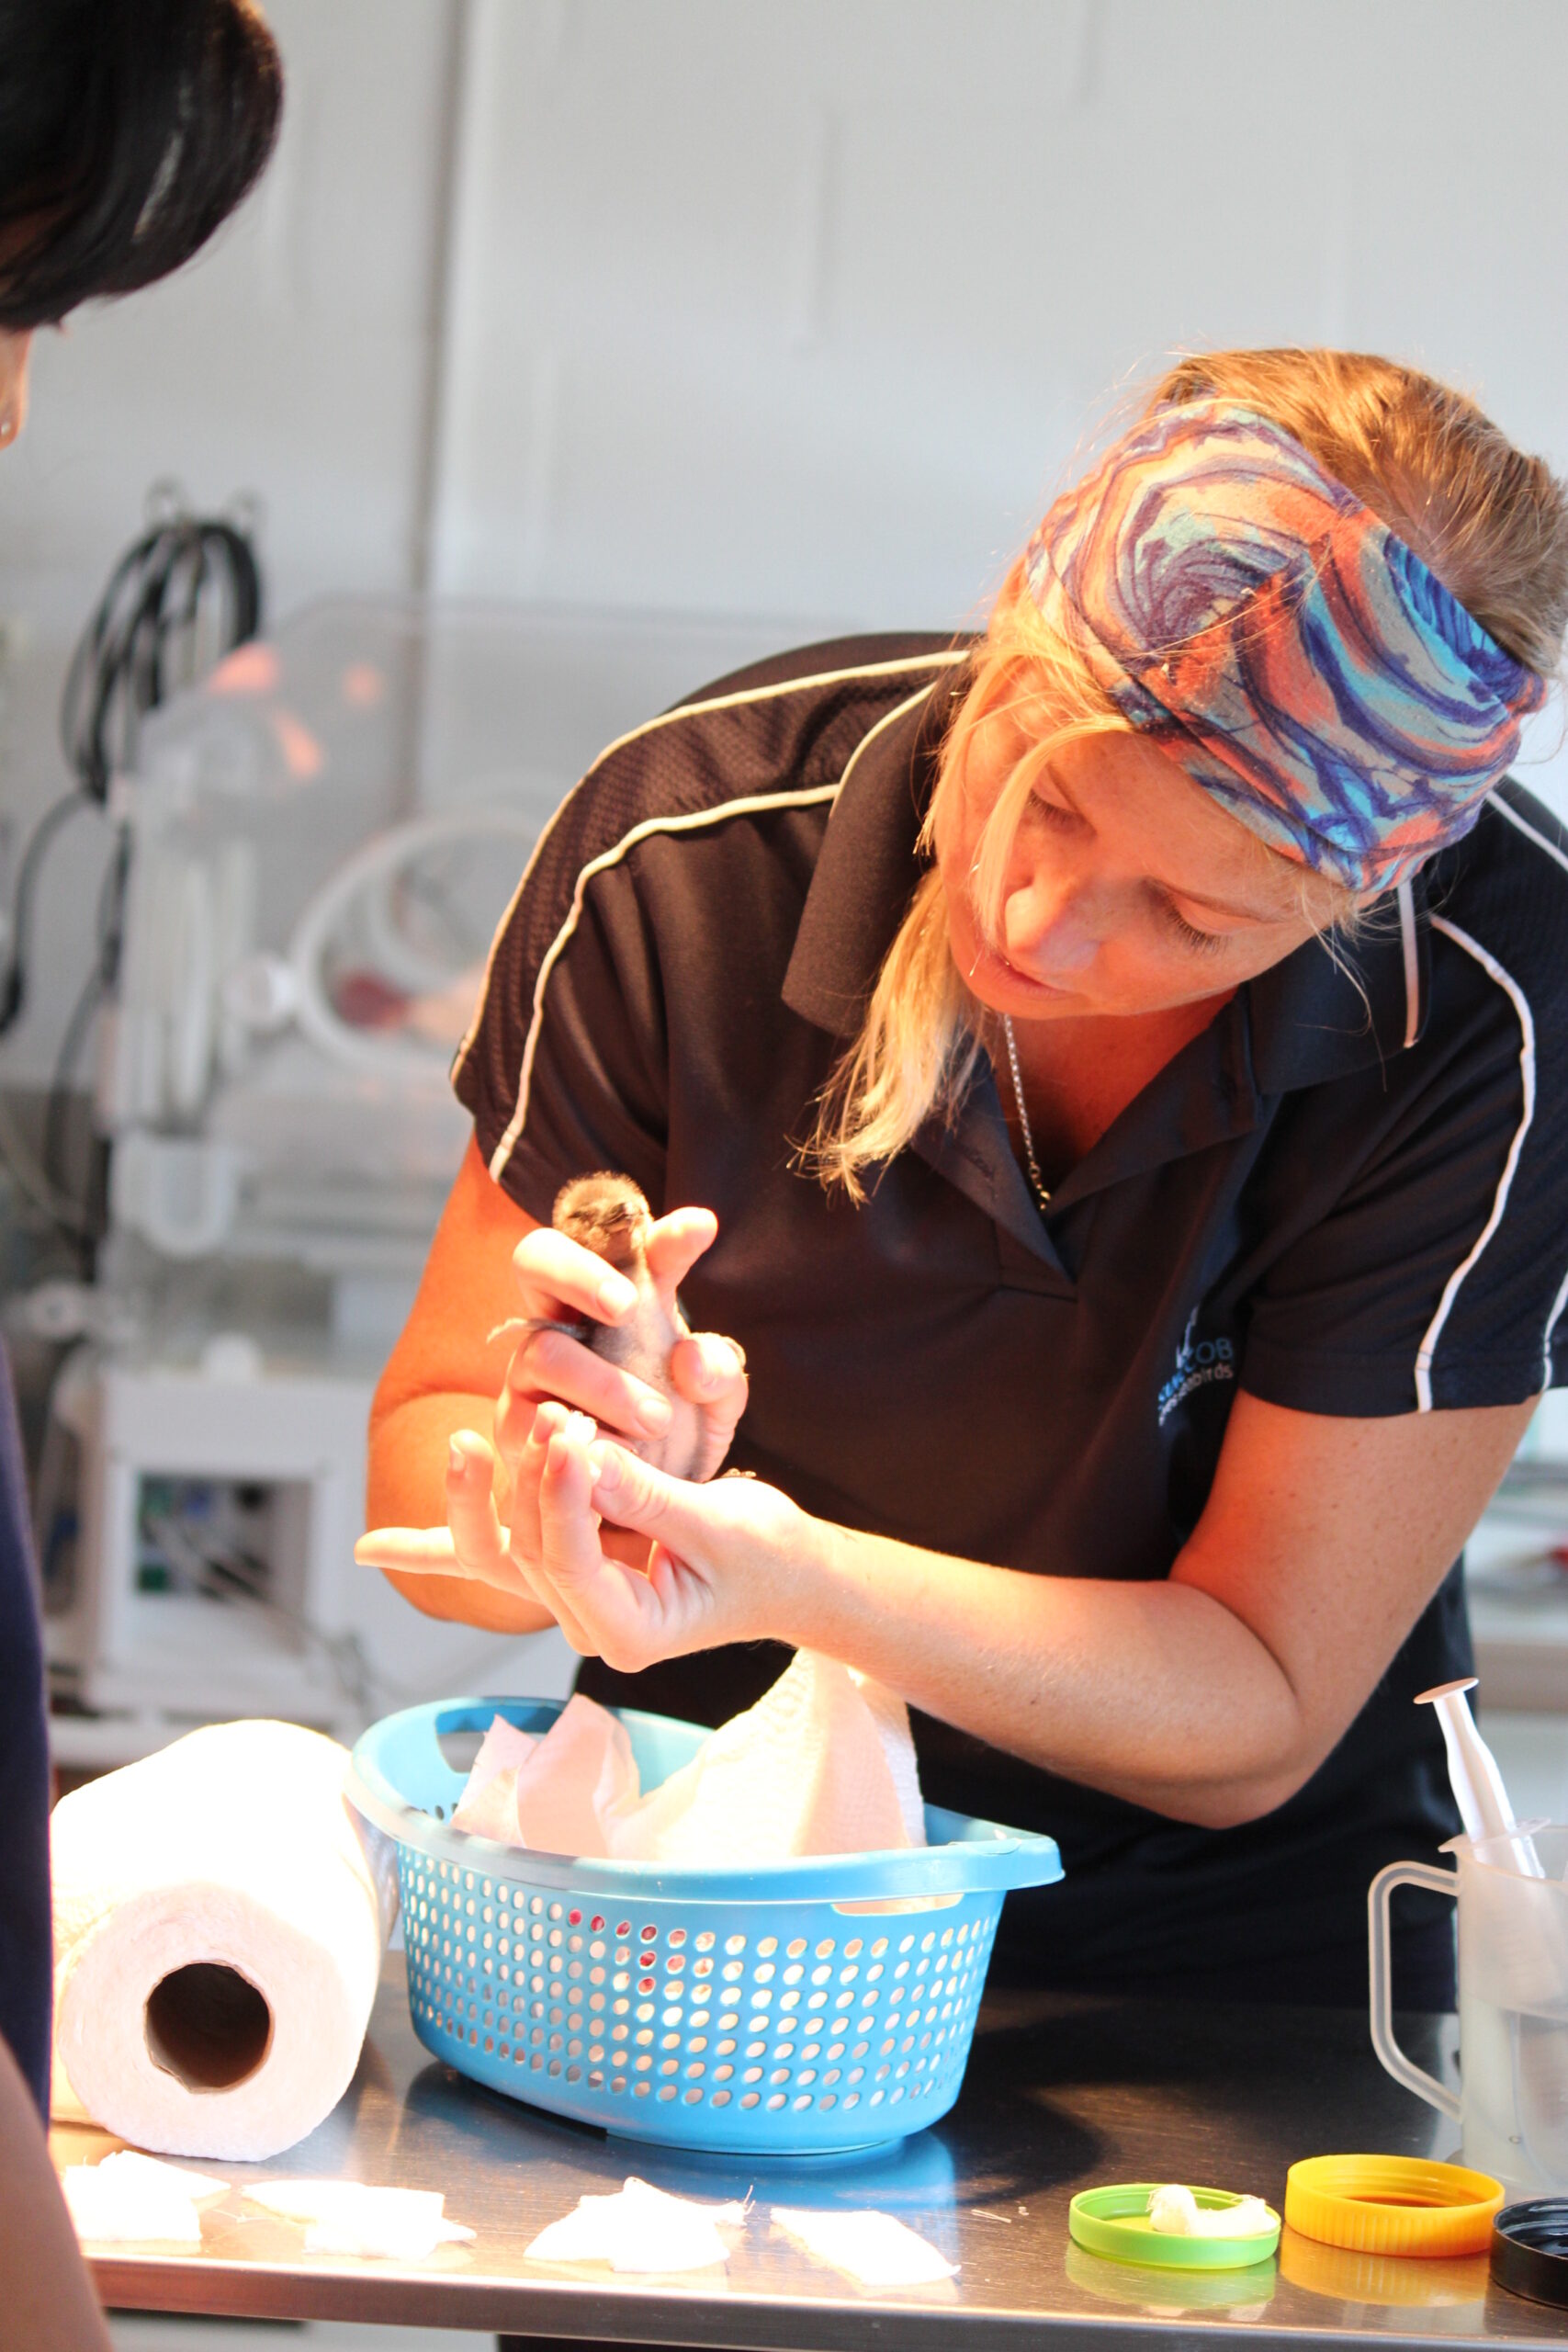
(1392, 2204)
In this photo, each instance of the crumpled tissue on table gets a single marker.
(344, 2217)
(875, 2249)
(639, 2228)
(822, 1764)
(644, 2230)
(129, 2198)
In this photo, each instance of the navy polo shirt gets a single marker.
(26, 1947)
(1349, 1194)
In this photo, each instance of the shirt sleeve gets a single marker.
(1434, 1276)
(565, 1068)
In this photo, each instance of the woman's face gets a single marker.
(1128, 888)
(16, 350)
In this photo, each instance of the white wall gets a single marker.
(293, 360)
(801, 308)
(813, 303)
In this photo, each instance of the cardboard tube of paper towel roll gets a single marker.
(219, 1916)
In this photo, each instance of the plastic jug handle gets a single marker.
(1403, 2070)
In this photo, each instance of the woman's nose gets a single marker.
(15, 352)
(1048, 927)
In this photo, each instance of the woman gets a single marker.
(1119, 1066)
(128, 130)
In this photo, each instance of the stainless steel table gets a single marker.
(1060, 2094)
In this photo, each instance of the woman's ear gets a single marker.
(15, 353)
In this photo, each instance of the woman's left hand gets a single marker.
(724, 1560)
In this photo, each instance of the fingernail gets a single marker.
(457, 1461)
(653, 1412)
(609, 1471)
(617, 1295)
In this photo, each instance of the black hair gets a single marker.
(128, 130)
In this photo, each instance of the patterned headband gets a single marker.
(1291, 653)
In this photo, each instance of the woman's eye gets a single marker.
(1051, 812)
(1199, 942)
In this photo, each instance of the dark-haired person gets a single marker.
(128, 130)
(1112, 1079)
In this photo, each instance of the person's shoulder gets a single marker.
(787, 725)
(874, 665)
(767, 744)
(1501, 899)
(773, 737)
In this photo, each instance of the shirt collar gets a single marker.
(1336, 1006)
(869, 860)
(1320, 1013)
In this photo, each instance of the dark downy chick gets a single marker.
(608, 1214)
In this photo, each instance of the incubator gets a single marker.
(322, 838)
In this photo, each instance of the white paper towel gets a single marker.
(875, 2249)
(219, 1916)
(807, 1771)
(822, 1764)
(639, 2228)
(343, 2217)
(555, 1793)
(128, 2198)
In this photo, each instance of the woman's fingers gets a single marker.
(711, 1372)
(478, 1538)
(473, 1541)
(678, 1518)
(410, 1551)
(590, 1594)
(553, 1272)
(551, 1364)
(675, 1243)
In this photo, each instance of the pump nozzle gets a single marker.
(1473, 1775)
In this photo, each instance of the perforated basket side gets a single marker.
(765, 2027)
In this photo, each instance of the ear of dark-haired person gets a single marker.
(128, 130)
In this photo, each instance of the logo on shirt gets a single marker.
(1198, 1362)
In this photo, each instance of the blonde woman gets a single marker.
(1111, 1079)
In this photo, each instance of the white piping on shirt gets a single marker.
(1542, 841)
(1520, 825)
(1489, 964)
(1406, 899)
(649, 726)
(750, 804)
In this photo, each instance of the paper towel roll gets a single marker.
(219, 1916)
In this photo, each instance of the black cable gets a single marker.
(185, 575)
(108, 930)
(58, 1107)
(187, 592)
(43, 833)
(124, 663)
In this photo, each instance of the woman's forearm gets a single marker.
(1153, 1691)
(406, 1486)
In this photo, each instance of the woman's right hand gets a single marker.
(493, 1492)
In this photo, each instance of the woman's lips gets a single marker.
(1024, 979)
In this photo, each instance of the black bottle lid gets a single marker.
(1530, 2249)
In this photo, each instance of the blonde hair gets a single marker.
(1492, 523)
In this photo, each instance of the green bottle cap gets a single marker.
(1114, 2223)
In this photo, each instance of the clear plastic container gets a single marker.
(1513, 1997)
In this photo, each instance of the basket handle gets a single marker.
(407, 1738)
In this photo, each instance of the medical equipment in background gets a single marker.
(322, 837)
(184, 594)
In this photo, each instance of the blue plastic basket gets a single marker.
(810, 2007)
